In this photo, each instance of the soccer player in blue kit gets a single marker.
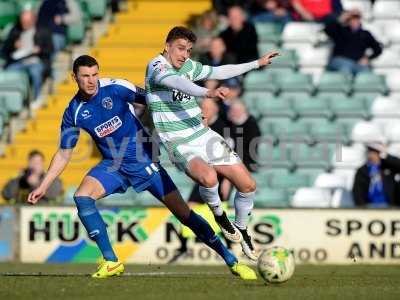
(105, 109)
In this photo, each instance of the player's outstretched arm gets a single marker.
(229, 71)
(57, 165)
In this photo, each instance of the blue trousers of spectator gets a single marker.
(346, 65)
(59, 42)
(35, 72)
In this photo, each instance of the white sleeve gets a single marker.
(184, 85)
(229, 71)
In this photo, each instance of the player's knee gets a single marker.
(208, 179)
(249, 187)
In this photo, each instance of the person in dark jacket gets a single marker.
(28, 48)
(376, 183)
(217, 55)
(240, 37)
(17, 189)
(51, 16)
(351, 43)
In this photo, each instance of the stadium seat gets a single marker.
(364, 132)
(260, 81)
(301, 33)
(97, 9)
(394, 148)
(389, 59)
(268, 32)
(388, 9)
(384, 107)
(1, 124)
(275, 107)
(267, 197)
(15, 81)
(313, 57)
(369, 82)
(265, 47)
(295, 83)
(311, 197)
(291, 131)
(330, 181)
(287, 59)
(290, 182)
(334, 82)
(349, 108)
(8, 13)
(393, 81)
(305, 156)
(348, 157)
(274, 157)
(329, 132)
(264, 175)
(347, 174)
(76, 33)
(364, 6)
(392, 132)
(311, 107)
(12, 101)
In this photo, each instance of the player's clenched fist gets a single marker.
(267, 58)
(36, 195)
(220, 92)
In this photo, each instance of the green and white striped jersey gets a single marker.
(176, 116)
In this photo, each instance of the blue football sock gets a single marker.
(205, 233)
(95, 226)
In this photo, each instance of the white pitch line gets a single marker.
(127, 274)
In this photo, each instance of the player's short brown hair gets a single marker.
(180, 32)
(84, 61)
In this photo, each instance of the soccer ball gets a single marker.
(276, 264)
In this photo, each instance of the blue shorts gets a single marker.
(150, 176)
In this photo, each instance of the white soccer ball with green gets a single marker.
(276, 264)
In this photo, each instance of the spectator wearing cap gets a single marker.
(351, 43)
(376, 183)
(240, 37)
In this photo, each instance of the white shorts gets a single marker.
(210, 147)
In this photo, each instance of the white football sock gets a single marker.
(244, 203)
(211, 197)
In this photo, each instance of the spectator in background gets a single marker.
(317, 10)
(240, 37)
(351, 43)
(277, 11)
(376, 183)
(28, 48)
(56, 15)
(244, 129)
(206, 27)
(216, 55)
(17, 189)
(222, 6)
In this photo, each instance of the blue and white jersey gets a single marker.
(110, 120)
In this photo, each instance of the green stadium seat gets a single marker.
(76, 33)
(311, 107)
(1, 124)
(268, 32)
(251, 98)
(15, 81)
(305, 156)
(5, 115)
(366, 82)
(275, 107)
(97, 9)
(292, 131)
(329, 132)
(295, 82)
(312, 173)
(267, 197)
(265, 47)
(287, 59)
(265, 126)
(13, 101)
(264, 175)
(260, 81)
(334, 82)
(347, 124)
(290, 182)
(274, 157)
(330, 95)
(8, 13)
(348, 107)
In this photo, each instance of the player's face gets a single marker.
(178, 51)
(87, 78)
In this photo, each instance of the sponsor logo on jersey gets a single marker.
(107, 103)
(179, 96)
(86, 114)
(108, 127)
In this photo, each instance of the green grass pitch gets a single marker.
(71, 281)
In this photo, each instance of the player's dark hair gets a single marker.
(84, 61)
(180, 32)
(34, 153)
